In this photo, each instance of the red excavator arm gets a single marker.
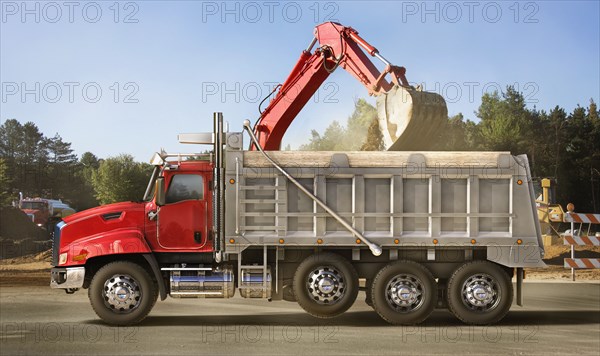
(339, 46)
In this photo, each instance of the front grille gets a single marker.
(56, 242)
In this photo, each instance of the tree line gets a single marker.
(562, 146)
(46, 167)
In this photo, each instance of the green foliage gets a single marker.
(47, 167)
(339, 138)
(87, 165)
(359, 123)
(25, 151)
(39, 166)
(60, 152)
(332, 139)
(89, 161)
(457, 135)
(582, 158)
(374, 140)
(120, 179)
(504, 121)
(11, 139)
(5, 197)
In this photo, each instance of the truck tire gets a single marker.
(325, 285)
(479, 293)
(404, 293)
(122, 293)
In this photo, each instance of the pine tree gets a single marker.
(505, 122)
(374, 140)
(6, 195)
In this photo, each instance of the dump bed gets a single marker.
(395, 199)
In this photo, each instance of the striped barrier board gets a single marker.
(582, 262)
(581, 240)
(590, 240)
(582, 218)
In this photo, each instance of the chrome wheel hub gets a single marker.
(480, 292)
(404, 293)
(326, 285)
(121, 293)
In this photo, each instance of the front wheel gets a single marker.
(325, 285)
(122, 293)
(480, 293)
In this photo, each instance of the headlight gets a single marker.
(62, 259)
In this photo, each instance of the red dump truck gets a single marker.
(415, 230)
(45, 212)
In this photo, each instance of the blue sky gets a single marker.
(163, 67)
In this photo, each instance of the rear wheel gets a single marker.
(325, 285)
(122, 293)
(480, 293)
(404, 293)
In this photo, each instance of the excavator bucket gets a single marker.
(410, 119)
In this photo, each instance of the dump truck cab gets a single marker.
(182, 224)
(180, 217)
(37, 209)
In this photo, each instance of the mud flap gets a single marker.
(157, 274)
(520, 274)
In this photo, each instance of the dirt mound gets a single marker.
(34, 258)
(16, 226)
(555, 255)
(29, 270)
(19, 236)
(10, 248)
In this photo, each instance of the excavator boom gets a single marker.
(341, 46)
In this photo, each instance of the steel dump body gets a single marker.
(422, 200)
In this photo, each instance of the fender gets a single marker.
(119, 241)
(113, 243)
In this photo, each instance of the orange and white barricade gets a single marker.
(577, 238)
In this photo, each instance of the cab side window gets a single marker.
(185, 187)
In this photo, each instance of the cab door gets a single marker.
(183, 222)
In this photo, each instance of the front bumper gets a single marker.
(67, 277)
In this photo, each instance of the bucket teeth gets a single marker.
(409, 119)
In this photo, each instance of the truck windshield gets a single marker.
(33, 205)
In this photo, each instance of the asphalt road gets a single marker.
(558, 318)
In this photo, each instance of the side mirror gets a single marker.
(160, 191)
